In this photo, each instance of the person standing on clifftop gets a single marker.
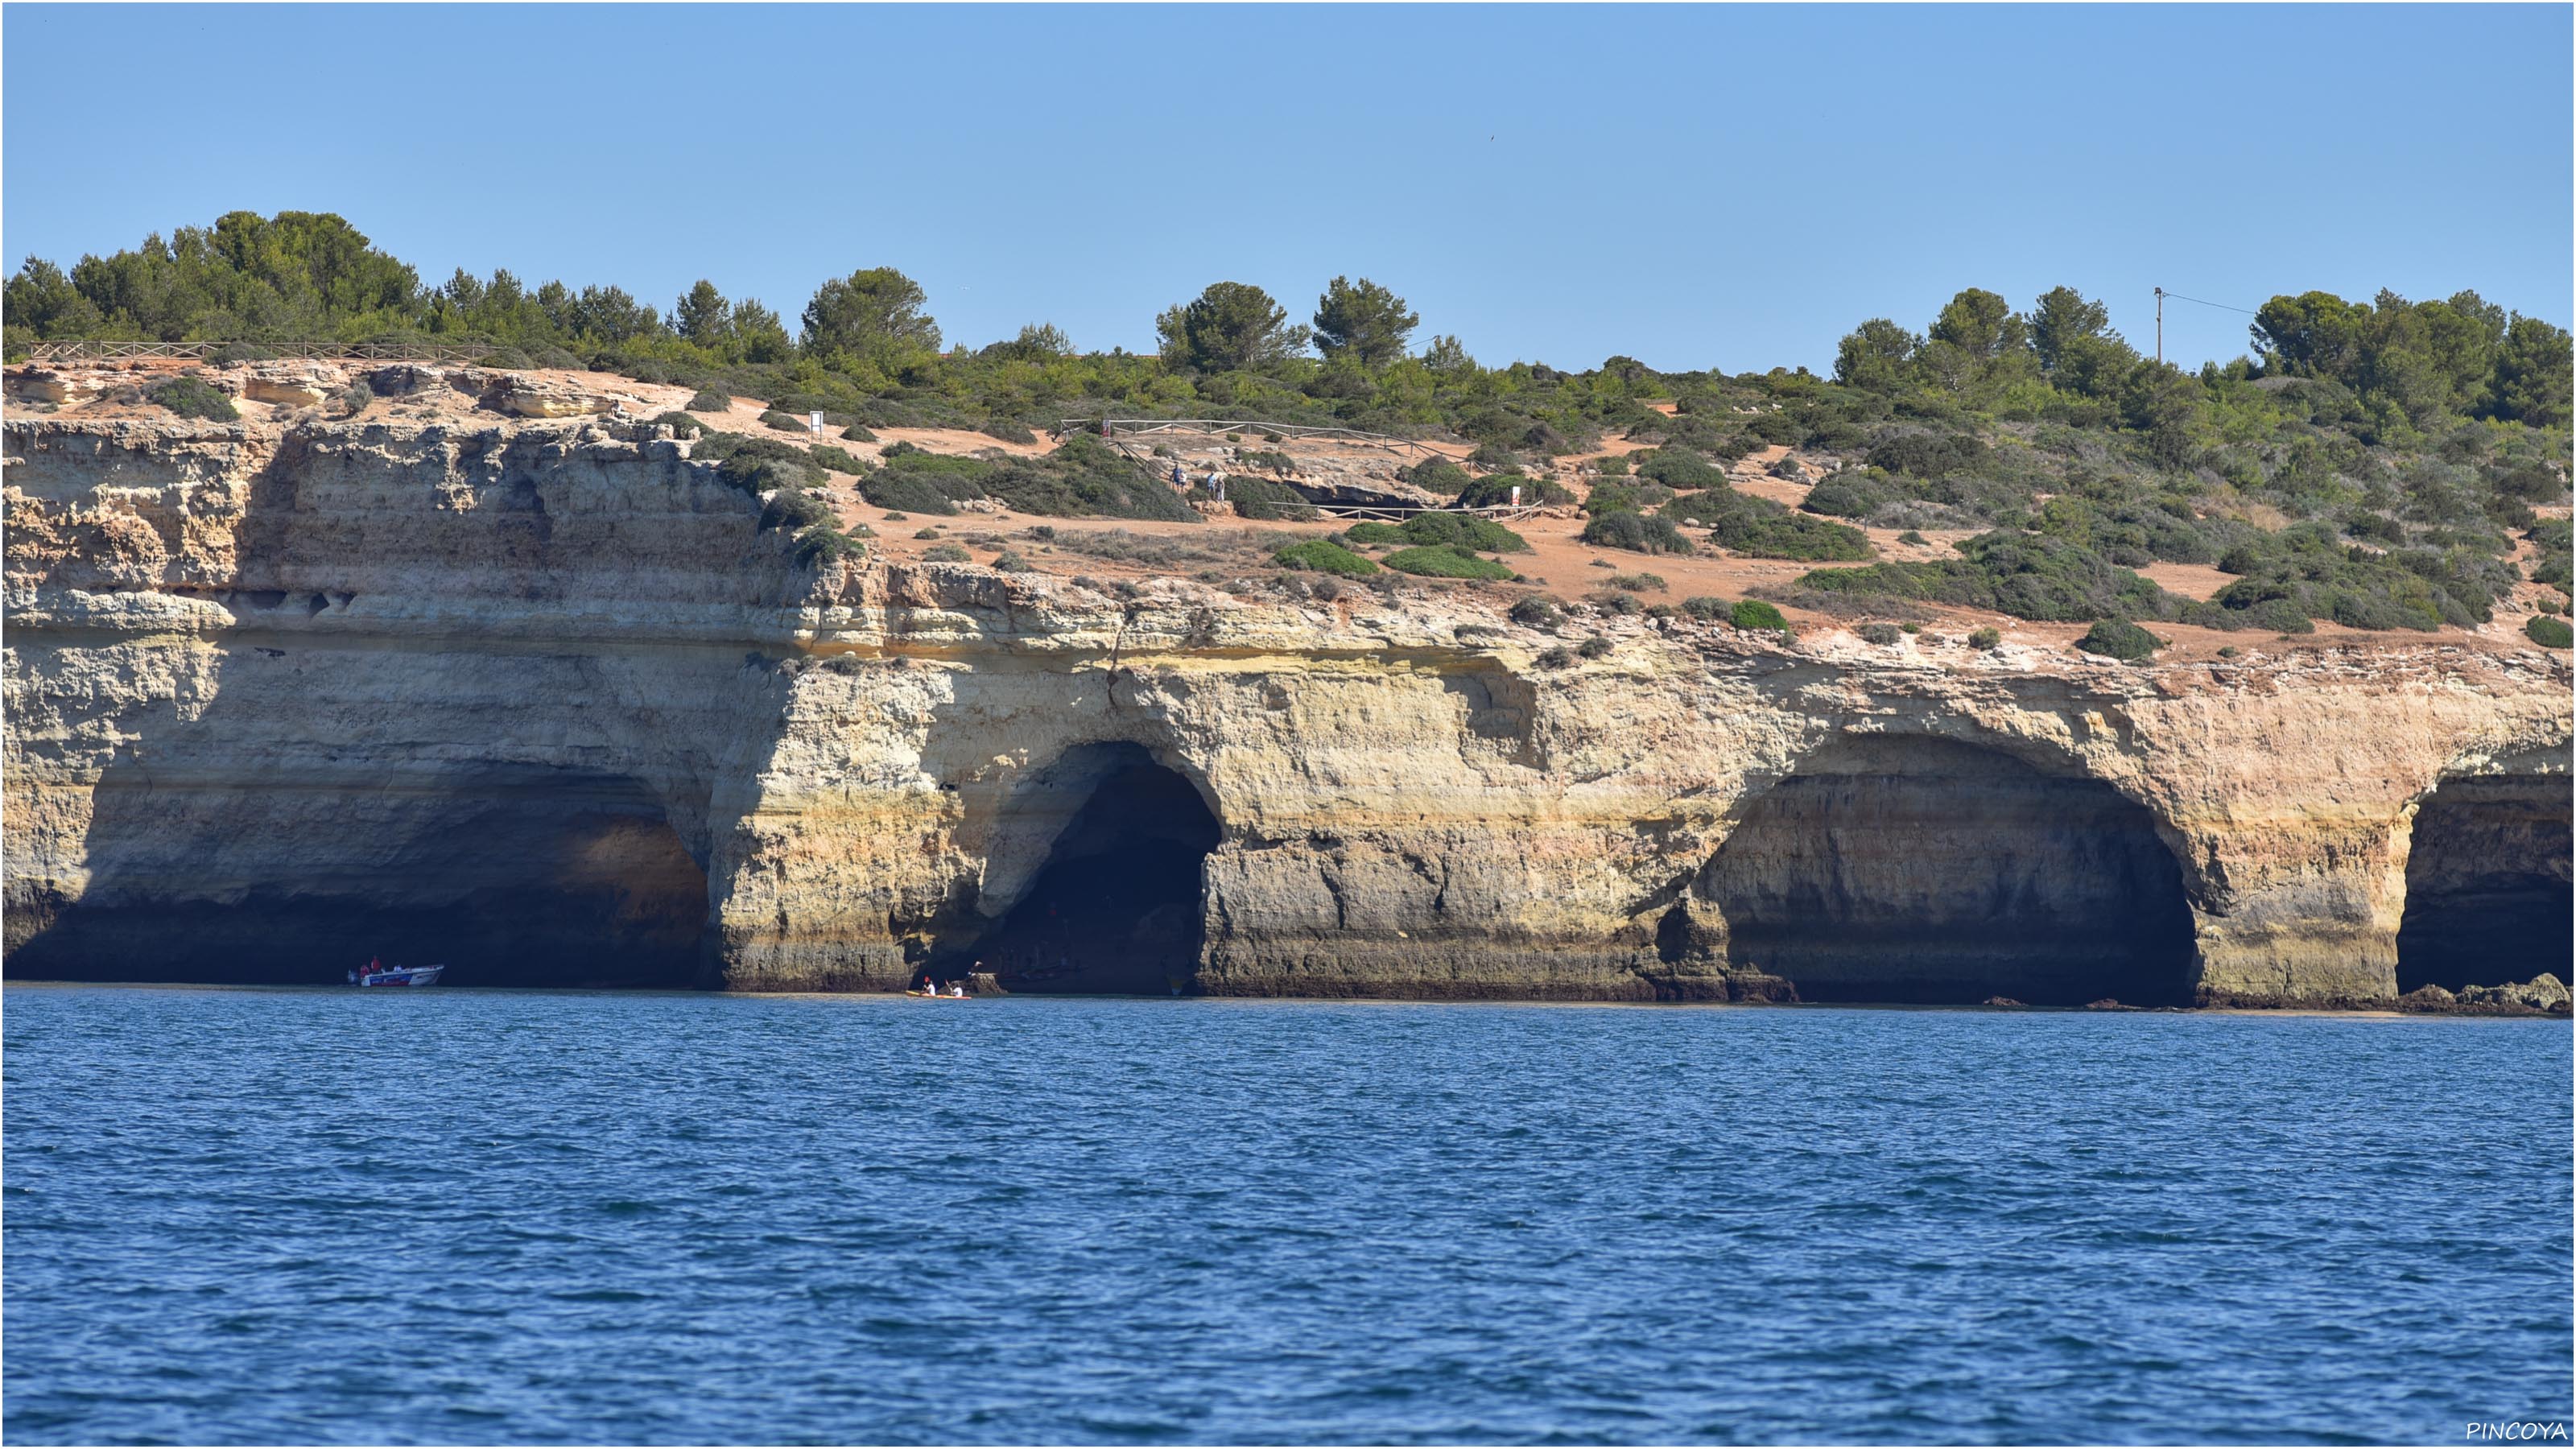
(1180, 480)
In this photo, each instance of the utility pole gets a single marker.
(2160, 326)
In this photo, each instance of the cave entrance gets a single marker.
(2487, 894)
(1115, 906)
(1922, 870)
(518, 877)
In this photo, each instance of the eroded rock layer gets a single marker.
(539, 697)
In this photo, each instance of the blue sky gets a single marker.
(1731, 187)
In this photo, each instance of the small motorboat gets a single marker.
(396, 975)
(938, 995)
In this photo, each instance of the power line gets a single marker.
(2162, 294)
(2221, 306)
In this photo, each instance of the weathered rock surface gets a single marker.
(540, 698)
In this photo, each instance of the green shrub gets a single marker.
(1537, 611)
(1614, 466)
(2028, 576)
(194, 397)
(1011, 563)
(856, 433)
(1595, 647)
(839, 460)
(1438, 475)
(711, 400)
(1705, 607)
(1441, 561)
(1911, 537)
(794, 508)
(1323, 556)
(1786, 468)
(1459, 530)
(822, 545)
(784, 422)
(1789, 536)
(945, 553)
(1755, 614)
(2548, 633)
(1555, 656)
(905, 492)
(1638, 583)
(1008, 430)
(680, 424)
(1988, 638)
(1261, 500)
(1881, 634)
(1636, 532)
(1679, 469)
(2119, 639)
(1625, 497)
(1610, 601)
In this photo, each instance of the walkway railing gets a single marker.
(445, 352)
(1121, 429)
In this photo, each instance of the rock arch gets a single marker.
(509, 875)
(2487, 882)
(1096, 880)
(1918, 869)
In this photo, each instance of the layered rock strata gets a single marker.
(541, 697)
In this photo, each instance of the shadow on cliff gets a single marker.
(319, 791)
(2488, 897)
(1923, 870)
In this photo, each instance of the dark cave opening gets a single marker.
(1927, 871)
(516, 878)
(1116, 907)
(2487, 890)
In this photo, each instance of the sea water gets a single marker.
(393, 1216)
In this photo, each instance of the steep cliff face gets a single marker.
(539, 698)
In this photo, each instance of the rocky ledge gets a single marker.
(541, 698)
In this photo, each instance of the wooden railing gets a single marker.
(83, 351)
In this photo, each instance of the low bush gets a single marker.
(1755, 614)
(1614, 466)
(784, 422)
(1595, 647)
(2025, 575)
(1442, 561)
(1880, 634)
(681, 425)
(1011, 563)
(1555, 656)
(1008, 430)
(1679, 469)
(839, 460)
(1610, 601)
(1324, 557)
(1705, 607)
(194, 397)
(1459, 530)
(1786, 467)
(822, 545)
(2548, 633)
(1633, 497)
(1638, 583)
(857, 433)
(2119, 639)
(945, 553)
(794, 508)
(1637, 533)
(1537, 611)
(1988, 638)
(1438, 475)
(1263, 501)
(711, 400)
(1789, 536)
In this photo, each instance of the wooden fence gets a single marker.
(443, 352)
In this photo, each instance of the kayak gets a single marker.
(398, 976)
(937, 996)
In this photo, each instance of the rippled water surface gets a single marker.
(452, 1215)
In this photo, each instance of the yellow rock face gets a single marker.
(541, 696)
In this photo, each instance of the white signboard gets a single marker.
(813, 422)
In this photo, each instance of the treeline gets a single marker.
(2375, 463)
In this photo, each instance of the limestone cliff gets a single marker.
(539, 697)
